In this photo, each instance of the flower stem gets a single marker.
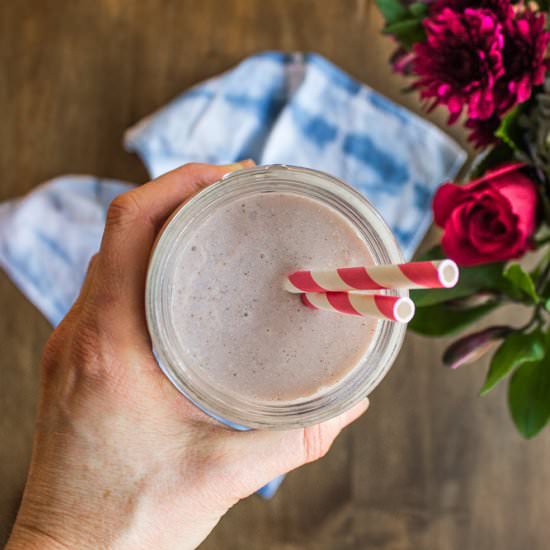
(542, 242)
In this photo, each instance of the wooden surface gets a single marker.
(431, 465)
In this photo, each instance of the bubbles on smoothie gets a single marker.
(246, 317)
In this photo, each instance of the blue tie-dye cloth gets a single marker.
(274, 108)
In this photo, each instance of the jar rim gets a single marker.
(241, 410)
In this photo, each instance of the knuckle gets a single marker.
(103, 298)
(123, 210)
(51, 352)
(85, 348)
(93, 261)
(192, 166)
(316, 442)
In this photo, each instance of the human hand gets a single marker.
(120, 458)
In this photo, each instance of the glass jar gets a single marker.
(243, 411)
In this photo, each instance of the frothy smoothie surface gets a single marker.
(234, 320)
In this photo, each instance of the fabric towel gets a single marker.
(273, 107)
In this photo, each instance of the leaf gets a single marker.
(540, 276)
(521, 284)
(499, 154)
(434, 253)
(518, 349)
(392, 10)
(547, 305)
(529, 397)
(407, 31)
(440, 319)
(509, 131)
(418, 9)
(472, 280)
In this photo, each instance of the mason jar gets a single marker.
(244, 411)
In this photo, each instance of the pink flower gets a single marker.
(523, 57)
(490, 219)
(483, 131)
(502, 9)
(402, 60)
(460, 61)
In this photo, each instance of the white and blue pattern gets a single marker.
(274, 108)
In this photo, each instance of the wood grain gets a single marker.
(432, 465)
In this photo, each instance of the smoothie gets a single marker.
(234, 321)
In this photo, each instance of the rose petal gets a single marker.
(501, 170)
(460, 252)
(521, 193)
(445, 200)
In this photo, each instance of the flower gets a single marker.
(483, 131)
(402, 60)
(523, 58)
(460, 61)
(490, 219)
(502, 9)
(471, 347)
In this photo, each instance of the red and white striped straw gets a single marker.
(392, 308)
(436, 274)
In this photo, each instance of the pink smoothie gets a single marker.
(234, 320)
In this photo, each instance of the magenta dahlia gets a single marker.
(483, 131)
(523, 58)
(501, 9)
(460, 61)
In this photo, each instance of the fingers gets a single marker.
(256, 457)
(133, 221)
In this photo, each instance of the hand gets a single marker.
(121, 459)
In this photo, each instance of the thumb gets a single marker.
(254, 458)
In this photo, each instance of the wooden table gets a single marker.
(432, 465)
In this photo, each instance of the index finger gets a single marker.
(133, 221)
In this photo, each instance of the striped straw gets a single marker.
(392, 308)
(437, 274)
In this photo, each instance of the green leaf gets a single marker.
(440, 319)
(499, 154)
(509, 131)
(472, 280)
(434, 253)
(407, 31)
(418, 9)
(392, 10)
(516, 350)
(529, 397)
(521, 284)
(547, 305)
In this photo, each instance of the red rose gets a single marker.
(490, 219)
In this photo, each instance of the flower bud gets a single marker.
(474, 300)
(471, 347)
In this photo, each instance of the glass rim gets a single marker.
(237, 409)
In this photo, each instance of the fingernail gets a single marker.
(248, 163)
(358, 410)
(238, 165)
